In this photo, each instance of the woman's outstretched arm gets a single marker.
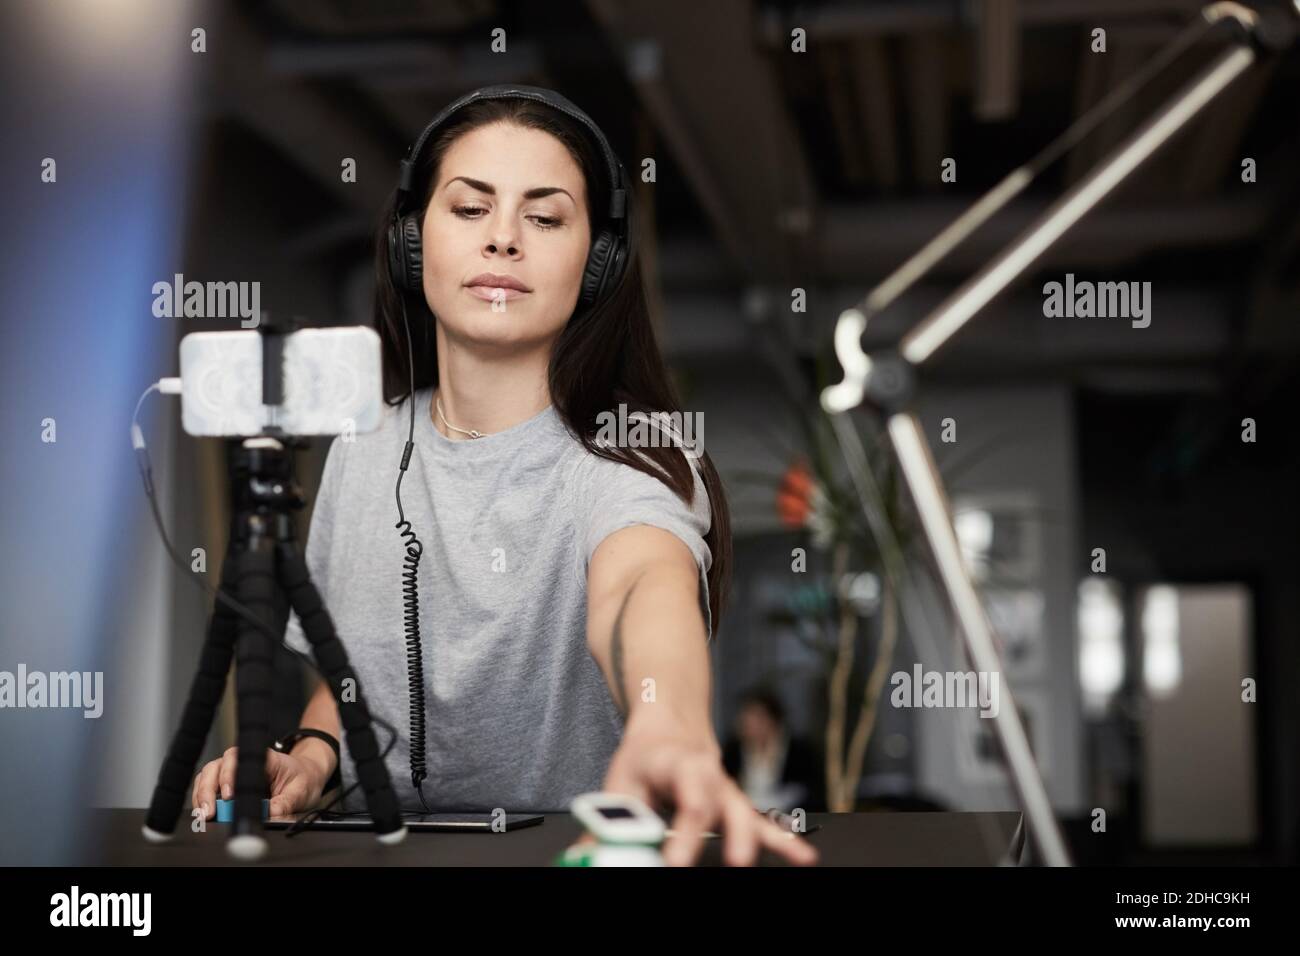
(646, 630)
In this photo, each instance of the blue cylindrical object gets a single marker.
(226, 810)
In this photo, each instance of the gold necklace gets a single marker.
(464, 431)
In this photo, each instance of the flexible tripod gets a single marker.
(262, 567)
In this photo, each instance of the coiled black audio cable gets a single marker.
(411, 596)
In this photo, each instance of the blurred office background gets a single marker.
(775, 170)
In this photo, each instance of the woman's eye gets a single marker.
(474, 212)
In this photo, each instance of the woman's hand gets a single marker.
(295, 781)
(661, 763)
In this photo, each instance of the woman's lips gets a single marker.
(492, 293)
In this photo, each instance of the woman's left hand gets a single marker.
(662, 764)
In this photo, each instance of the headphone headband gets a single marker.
(617, 179)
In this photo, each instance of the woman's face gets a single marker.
(755, 725)
(512, 202)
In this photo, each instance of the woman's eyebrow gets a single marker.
(537, 192)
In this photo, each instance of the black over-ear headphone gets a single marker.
(609, 247)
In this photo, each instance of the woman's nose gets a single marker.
(503, 239)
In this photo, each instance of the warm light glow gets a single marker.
(119, 41)
(975, 535)
(1161, 660)
(1101, 644)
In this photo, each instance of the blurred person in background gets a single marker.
(773, 768)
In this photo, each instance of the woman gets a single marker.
(567, 587)
(772, 766)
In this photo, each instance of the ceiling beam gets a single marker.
(300, 120)
(845, 20)
(728, 129)
(836, 75)
(872, 80)
(928, 106)
(997, 41)
(407, 64)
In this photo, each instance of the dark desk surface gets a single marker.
(845, 839)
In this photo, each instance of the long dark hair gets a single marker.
(606, 355)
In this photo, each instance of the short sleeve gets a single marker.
(618, 496)
(319, 539)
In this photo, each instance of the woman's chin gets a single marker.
(489, 329)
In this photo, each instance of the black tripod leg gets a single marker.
(208, 685)
(255, 589)
(355, 716)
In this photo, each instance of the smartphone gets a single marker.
(333, 384)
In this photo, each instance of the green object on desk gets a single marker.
(576, 856)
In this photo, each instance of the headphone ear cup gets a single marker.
(602, 261)
(406, 254)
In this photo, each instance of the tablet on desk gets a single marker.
(444, 822)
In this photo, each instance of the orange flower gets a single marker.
(794, 498)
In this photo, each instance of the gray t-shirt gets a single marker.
(517, 712)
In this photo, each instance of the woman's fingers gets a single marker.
(703, 796)
(739, 833)
(619, 780)
(205, 785)
(290, 791)
(226, 775)
(785, 843)
(216, 778)
(292, 797)
(696, 810)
